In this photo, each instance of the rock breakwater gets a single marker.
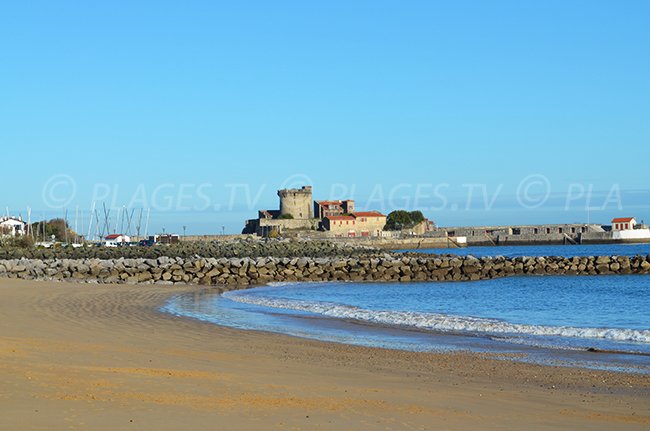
(190, 249)
(235, 271)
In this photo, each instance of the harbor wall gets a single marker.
(254, 271)
(409, 243)
(632, 235)
(552, 234)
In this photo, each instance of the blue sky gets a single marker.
(476, 112)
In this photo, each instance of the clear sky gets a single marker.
(476, 112)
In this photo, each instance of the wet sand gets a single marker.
(102, 357)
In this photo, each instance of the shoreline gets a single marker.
(587, 357)
(101, 356)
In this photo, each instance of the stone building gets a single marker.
(295, 213)
(324, 209)
(359, 224)
(340, 225)
(296, 203)
(298, 212)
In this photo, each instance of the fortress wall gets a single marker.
(524, 234)
(291, 223)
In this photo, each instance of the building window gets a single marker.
(561, 230)
(627, 226)
(536, 231)
(548, 230)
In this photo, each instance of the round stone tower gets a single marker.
(297, 203)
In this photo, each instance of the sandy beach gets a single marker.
(80, 356)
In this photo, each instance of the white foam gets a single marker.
(440, 322)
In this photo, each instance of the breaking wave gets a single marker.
(440, 322)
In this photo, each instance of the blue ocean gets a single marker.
(588, 321)
(546, 250)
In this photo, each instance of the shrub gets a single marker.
(400, 219)
(22, 241)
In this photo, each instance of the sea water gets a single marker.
(546, 250)
(589, 321)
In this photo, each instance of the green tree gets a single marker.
(57, 227)
(400, 219)
(397, 220)
(416, 217)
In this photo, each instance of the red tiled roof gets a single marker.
(114, 236)
(622, 220)
(368, 214)
(328, 202)
(340, 217)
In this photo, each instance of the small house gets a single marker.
(623, 223)
(12, 226)
(115, 239)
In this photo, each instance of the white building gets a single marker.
(624, 228)
(12, 226)
(115, 239)
(623, 223)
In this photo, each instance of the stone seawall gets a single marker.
(252, 271)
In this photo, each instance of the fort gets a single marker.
(299, 212)
(296, 203)
(295, 213)
(301, 216)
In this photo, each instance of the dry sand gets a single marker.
(102, 357)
